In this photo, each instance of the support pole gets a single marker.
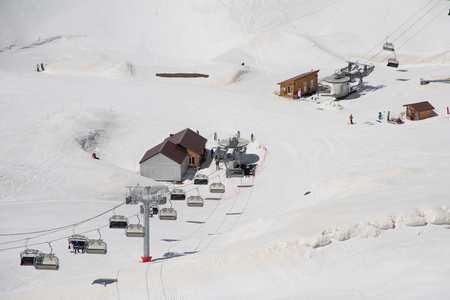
(146, 257)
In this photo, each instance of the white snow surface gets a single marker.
(375, 224)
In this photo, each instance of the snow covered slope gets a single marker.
(375, 223)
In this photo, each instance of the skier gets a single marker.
(217, 165)
(251, 138)
(351, 119)
(37, 67)
(94, 156)
(42, 67)
(76, 247)
(212, 152)
(379, 115)
(238, 134)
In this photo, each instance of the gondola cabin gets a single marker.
(419, 111)
(135, 230)
(200, 179)
(46, 262)
(27, 257)
(178, 194)
(167, 214)
(195, 201)
(217, 188)
(96, 247)
(117, 221)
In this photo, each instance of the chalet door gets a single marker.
(305, 88)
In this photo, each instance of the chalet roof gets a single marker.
(421, 106)
(299, 76)
(189, 139)
(168, 149)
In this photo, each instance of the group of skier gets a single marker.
(40, 67)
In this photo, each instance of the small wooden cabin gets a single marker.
(170, 159)
(303, 84)
(419, 111)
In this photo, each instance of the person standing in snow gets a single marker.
(42, 67)
(217, 165)
(212, 152)
(351, 119)
(37, 67)
(251, 138)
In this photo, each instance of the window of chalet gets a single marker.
(289, 90)
(191, 161)
(312, 83)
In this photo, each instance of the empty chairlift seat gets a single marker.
(200, 179)
(96, 247)
(236, 172)
(178, 194)
(388, 46)
(46, 262)
(167, 214)
(135, 230)
(117, 221)
(393, 62)
(27, 257)
(217, 188)
(195, 201)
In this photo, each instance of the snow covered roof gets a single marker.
(421, 106)
(299, 76)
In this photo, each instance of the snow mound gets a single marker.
(330, 105)
(93, 68)
(437, 216)
(361, 230)
(383, 223)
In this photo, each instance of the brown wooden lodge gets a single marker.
(303, 84)
(419, 111)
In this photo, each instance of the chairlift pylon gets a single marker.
(46, 261)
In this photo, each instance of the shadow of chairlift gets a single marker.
(104, 281)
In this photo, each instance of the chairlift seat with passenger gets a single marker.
(80, 239)
(27, 257)
(195, 201)
(217, 187)
(167, 214)
(200, 179)
(135, 230)
(46, 262)
(118, 221)
(96, 247)
(178, 194)
(393, 62)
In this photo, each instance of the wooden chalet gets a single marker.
(303, 84)
(170, 159)
(419, 111)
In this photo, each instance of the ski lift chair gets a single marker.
(117, 221)
(80, 239)
(195, 201)
(236, 172)
(167, 214)
(135, 230)
(388, 46)
(96, 246)
(200, 179)
(392, 62)
(27, 257)
(178, 194)
(217, 187)
(46, 261)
